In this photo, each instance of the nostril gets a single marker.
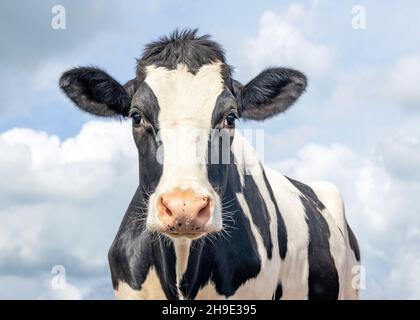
(165, 206)
(204, 212)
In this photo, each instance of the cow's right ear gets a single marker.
(96, 92)
(271, 92)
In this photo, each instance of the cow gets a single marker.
(229, 228)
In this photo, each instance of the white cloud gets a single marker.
(394, 86)
(285, 39)
(37, 159)
(61, 202)
(402, 84)
(400, 154)
(353, 89)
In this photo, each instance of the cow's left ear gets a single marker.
(271, 92)
(96, 92)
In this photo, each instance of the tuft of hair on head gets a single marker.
(182, 46)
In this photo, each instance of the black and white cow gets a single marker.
(214, 229)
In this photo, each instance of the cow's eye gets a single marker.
(136, 117)
(230, 120)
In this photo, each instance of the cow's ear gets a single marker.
(96, 92)
(271, 92)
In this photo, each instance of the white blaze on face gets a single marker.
(186, 104)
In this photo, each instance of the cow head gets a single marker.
(183, 104)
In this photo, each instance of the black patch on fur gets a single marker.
(96, 92)
(271, 92)
(279, 292)
(147, 139)
(281, 226)
(224, 104)
(130, 87)
(353, 243)
(145, 101)
(219, 144)
(259, 211)
(217, 167)
(256, 204)
(308, 193)
(323, 277)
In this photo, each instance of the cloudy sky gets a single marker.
(66, 177)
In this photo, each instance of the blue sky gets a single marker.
(357, 126)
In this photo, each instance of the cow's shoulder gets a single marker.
(329, 194)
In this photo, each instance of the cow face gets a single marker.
(183, 113)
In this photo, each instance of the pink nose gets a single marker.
(183, 211)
